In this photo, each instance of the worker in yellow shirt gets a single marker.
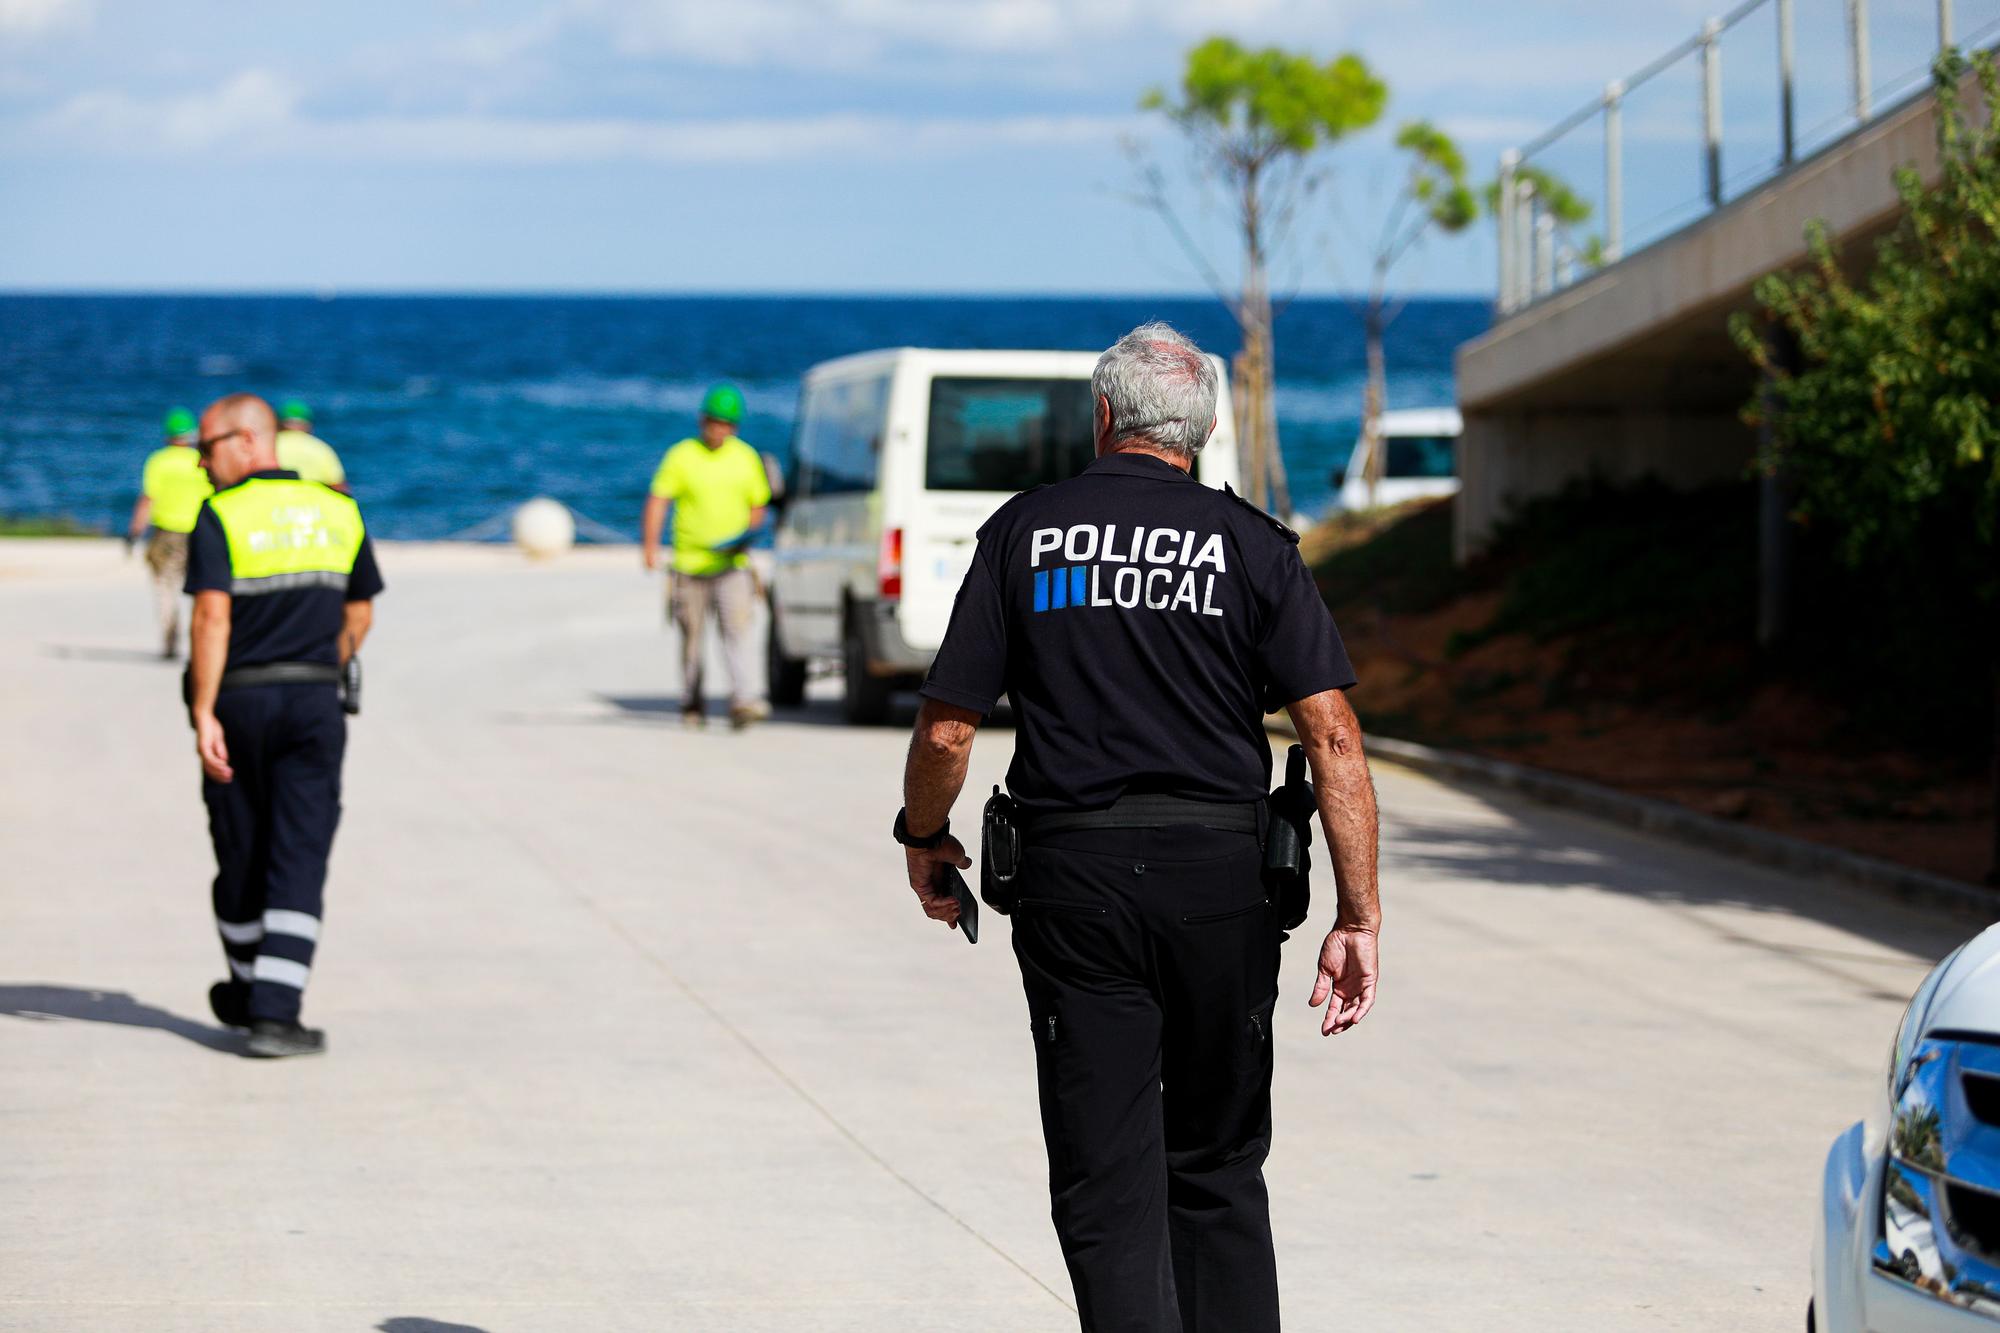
(719, 491)
(301, 451)
(171, 490)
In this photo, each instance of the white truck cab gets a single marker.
(1420, 459)
(898, 458)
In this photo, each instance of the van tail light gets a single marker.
(889, 564)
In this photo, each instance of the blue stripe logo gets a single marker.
(1056, 589)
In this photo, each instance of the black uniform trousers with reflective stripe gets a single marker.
(273, 828)
(1150, 961)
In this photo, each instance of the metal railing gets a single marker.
(1538, 253)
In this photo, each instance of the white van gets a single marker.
(897, 459)
(1420, 456)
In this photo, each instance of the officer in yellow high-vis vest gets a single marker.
(283, 577)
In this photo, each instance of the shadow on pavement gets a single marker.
(45, 1003)
(417, 1324)
(89, 653)
(812, 713)
(1555, 849)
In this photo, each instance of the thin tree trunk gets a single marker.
(1374, 399)
(1249, 463)
(1281, 487)
(1254, 408)
(1266, 480)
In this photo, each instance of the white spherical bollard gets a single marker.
(544, 528)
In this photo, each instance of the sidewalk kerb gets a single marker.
(1761, 846)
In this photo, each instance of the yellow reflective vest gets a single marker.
(286, 533)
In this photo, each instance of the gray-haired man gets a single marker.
(1143, 624)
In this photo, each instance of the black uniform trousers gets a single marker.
(273, 828)
(1150, 961)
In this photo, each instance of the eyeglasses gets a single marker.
(206, 445)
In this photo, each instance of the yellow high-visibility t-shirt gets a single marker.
(714, 491)
(176, 483)
(311, 457)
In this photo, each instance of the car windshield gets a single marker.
(1413, 456)
(1006, 434)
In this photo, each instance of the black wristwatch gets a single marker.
(909, 839)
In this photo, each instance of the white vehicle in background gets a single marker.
(1909, 1226)
(898, 458)
(1420, 453)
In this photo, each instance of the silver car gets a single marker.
(1909, 1228)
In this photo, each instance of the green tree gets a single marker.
(1434, 199)
(1884, 421)
(1556, 199)
(1256, 122)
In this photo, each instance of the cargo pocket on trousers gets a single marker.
(1254, 1048)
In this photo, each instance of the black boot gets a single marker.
(229, 1001)
(272, 1040)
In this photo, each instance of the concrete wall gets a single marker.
(1506, 458)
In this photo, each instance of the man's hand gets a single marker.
(924, 863)
(213, 749)
(650, 557)
(1346, 982)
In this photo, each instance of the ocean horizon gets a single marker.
(450, 408)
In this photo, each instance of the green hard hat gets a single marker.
(179, 422)
(724, 403)
(295, 410)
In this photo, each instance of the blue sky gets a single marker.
(779, 145)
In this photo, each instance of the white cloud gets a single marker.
(256, 116)
(853, 34)
(32, 16)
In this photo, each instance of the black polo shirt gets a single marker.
(294, 624)
(1142, 625)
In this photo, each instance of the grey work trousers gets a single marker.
(167, 558)
(730, 598)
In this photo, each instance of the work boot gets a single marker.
(272, 1040)
(229, 1001)
(742, 715)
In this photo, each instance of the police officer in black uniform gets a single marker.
(283, 576)
(1142, 625)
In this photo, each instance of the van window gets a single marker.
(839, 445)
(1427, 456)
(1006, 434)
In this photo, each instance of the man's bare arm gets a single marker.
(650, 523)
(934, 774)
(359, 619)
(1331, 735)
(208, 649)
(940, 750)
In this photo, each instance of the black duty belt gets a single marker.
(281, 673)
(1148, 811)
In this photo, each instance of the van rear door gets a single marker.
(986, 438)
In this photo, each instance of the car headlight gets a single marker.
(1940, 1228)
(1912, 1026)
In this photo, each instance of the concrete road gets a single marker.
(638, 1029)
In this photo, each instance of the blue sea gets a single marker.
(450, 410)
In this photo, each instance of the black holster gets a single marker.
(999, 852)
(350, 686)
(1287, 843)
